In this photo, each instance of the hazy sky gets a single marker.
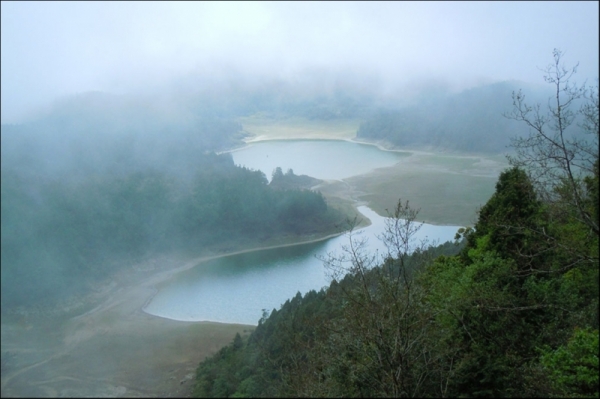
(52, 49)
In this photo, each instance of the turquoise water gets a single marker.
(236, 288)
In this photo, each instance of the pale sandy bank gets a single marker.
(112, 348)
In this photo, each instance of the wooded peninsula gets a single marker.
(510, 308)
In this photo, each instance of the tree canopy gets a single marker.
(511, 311)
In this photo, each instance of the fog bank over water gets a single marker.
(54, 49)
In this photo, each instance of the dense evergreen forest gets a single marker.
(511, 310)
(84, 192)
(470, 121)
(317, 94)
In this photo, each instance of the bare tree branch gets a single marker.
(558, 152)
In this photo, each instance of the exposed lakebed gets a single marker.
(237, 288)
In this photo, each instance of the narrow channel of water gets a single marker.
(236, 288)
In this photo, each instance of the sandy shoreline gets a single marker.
(115, 349)
(425, 175)
(380, 145)
(166, 275)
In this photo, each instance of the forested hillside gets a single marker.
(313, 94)
(512, 312)
(470, 121)
(96, 183)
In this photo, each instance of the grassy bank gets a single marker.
(107, 346)
(449, 188)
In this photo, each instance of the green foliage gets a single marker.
(267, 365)
(560, 151)
(323, 344)
(514, 314)
(573, 368)
(440, 324)
(513, 204)
(212, 380)
(71, 217)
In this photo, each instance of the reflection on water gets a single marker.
(235, 289)
(315, 157)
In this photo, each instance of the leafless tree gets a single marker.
(561, 149)
(385, 340)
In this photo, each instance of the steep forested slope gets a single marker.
(98, 181)
(513, 314)
(470, 121)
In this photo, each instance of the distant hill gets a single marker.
(470, 121)
(97, 132)
(101, 181)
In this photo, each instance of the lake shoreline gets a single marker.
(381, 145)
(113, 347)
(138, 342)
(236, 288)
(110, 346)
(421, 176)
(199, 260)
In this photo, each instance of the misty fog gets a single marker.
(118, 122)
(57, 49)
